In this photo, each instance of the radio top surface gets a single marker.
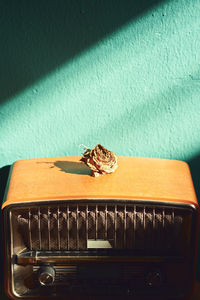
(68, 178)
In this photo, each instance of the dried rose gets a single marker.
(100, 160)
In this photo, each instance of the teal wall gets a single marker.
(122, 73)
(136, 89)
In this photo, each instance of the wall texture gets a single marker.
(125, 74)
(135, 90)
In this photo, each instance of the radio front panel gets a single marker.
(110, 248)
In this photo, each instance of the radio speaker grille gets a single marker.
(71, 226)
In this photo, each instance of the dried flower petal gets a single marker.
(100, 160)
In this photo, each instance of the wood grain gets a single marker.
(68, 178)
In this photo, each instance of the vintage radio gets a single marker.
(132, 233)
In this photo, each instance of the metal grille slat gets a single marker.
(96, 221)
(29, 229)
(34, 229)
(106, 222)
(82, 228)
(172, 215)
(134, 224)
(49, 237)
(58, 227)
(125, 226)
(39, 229)
(115, 226)
(67, 227)
(62, 225)
(73, 228)
(129, 228)
(163, 218)
(77, 228)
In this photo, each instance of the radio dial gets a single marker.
(154, 278)
(46, 275)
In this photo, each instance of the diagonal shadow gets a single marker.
(38, 36)
(72, 167)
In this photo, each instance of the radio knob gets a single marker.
(154, 278)
(46, 275)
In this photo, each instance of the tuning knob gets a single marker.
(154, 278)
(46, 275)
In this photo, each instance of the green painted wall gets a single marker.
(135, 90)
(122, 73)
